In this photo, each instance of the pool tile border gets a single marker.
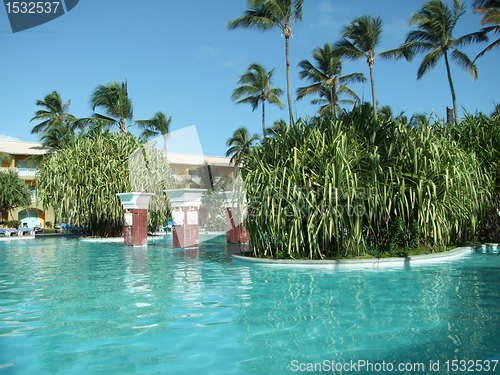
(366, 263)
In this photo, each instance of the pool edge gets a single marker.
(364, 263)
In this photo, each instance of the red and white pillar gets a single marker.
(185, 209)
(135, 218)
(235, 233)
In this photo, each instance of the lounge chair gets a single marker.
(8, 232)
(23, 231)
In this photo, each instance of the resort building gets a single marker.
(25, 155)
(191, 167)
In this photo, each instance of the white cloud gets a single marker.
(4, 137)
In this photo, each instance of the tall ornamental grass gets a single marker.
(339, 187)
(480, 134)
(80, 182)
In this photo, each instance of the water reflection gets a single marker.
(81, 306)
(136, 269)
(71, 307)
(428, 313)
(187, 273)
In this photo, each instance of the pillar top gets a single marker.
(185, 197)
(135, 200)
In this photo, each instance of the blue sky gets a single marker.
(178, 58)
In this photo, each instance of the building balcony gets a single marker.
(182, 177)
(22, 172)
(27, 172)
(196, 179)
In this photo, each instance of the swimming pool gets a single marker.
(70, 307)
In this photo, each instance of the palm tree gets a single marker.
(278, 129)
(53, 112)
(435, 22)
(96, 128)
(159, 124)
(490, 9)
(5, 157)
(269, 14)
(326, 77)
(385, 113)
(240, 145)
(57, 137)
(359, 39)
(256, 87)
(326, 103)
(116, 104)
(496, 112)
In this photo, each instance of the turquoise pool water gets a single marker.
(69, 307)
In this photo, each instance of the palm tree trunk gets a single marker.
(453, 97)
(164, 144)
(374, 100)
(331, 100)
(263, 123)
(123, 128)
(288, 84)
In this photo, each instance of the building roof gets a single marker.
(188, 159)
(23, 148)
(34, 148)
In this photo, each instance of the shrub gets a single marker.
(12, 223)
(13, 192)
(339, 187)
(82, 179)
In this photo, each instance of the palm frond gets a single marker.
(463, 60)
(54, 113)
(468, 39)
(352, 78)
(114, 100)
(392, 54)
(252, 100)
(308, 90)
(495, 44)
(240, 145)
(348, 50)
(430, 60)
(256, 85)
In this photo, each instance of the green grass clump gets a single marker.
(350, 186)
(51, 231)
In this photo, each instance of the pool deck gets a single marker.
(14, 238)
(366, 263)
